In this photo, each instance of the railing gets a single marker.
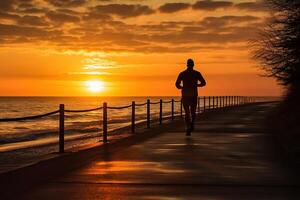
(214, 102)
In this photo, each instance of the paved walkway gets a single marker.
(227, 157)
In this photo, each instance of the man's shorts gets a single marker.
(190, 101)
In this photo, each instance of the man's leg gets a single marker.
(194, 101)
(186, 106)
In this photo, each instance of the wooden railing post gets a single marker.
(61, 128)
(204, 103)
(213, 102)
(160, 111)
(223, 101)
(209, 108)
(234, 101)
(226, 101)
(133, 117)
(148, 113)
(104, 135)
(172, 109)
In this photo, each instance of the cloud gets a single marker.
(32, 21)
(173, 7)
(211, 5)
(31, 8)
(67, 3)
(257, 6)
(60, 17)
(215, 22)
(100, 26)
(11, 32)
(4, 15)
(124, 10)
(6, 5)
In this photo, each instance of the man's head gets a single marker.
(190, 64)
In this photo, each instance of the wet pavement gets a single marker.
(228, 156)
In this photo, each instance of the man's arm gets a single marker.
(178, 81)
(202, 81)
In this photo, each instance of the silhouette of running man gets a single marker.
(190, 79)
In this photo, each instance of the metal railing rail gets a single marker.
(81, 111)
(29, 117)
(203, 104)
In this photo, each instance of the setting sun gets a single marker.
(95, 86)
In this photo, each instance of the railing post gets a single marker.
(133, 117)
(160, 111)
(233, 100)
(213, 102)
(220, 101)
(198, 104)
(104, 135)
(223, 101)
(226, 101)
(204, 103)
(172, 109)
(148, 113)
(209, 106)
(181, 112)
(61, 128)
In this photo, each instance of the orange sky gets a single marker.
(133, 47)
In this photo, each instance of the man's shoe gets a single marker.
(192, 127)
(188, 132)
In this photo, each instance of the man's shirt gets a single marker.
(189, 79)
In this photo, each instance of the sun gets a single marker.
(95, 86)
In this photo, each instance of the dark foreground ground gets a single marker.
(227, 157)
